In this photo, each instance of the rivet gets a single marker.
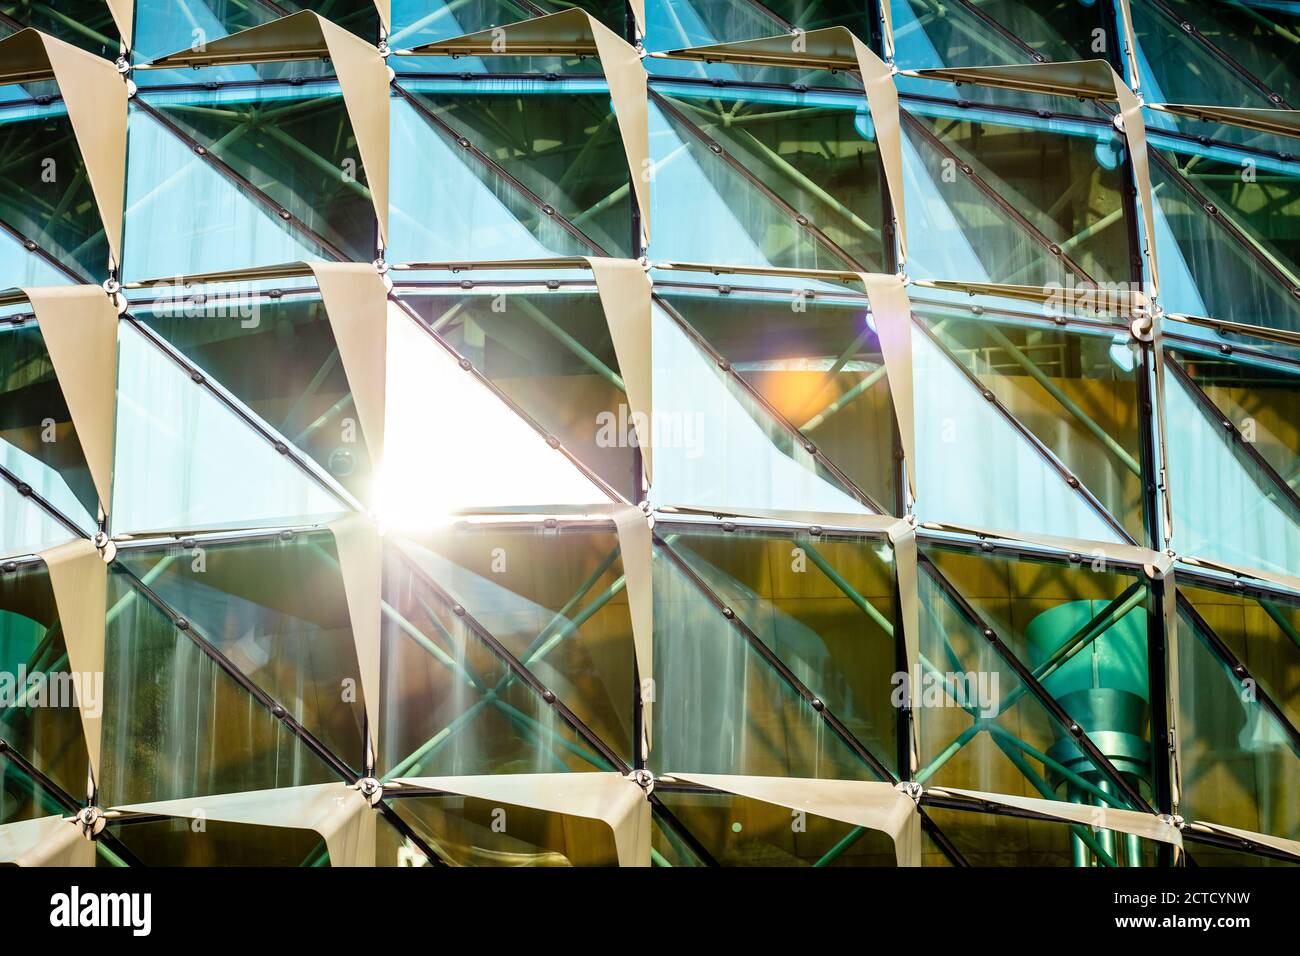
(548, 696)
(182, 624)
(465, 364)
(728, 613)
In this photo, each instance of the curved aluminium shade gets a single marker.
(79, 327)
(123, 13)
(96, 99)
(892, 310)
(636, 548)
(79, 579)
(831, 48)
(361, 565)
(1093, 79)
(609, 797)
(339, 813)
(1146, 825)
(362, 75)
(863, 803)
(45, 841)
(576, 32)
(1282, 122)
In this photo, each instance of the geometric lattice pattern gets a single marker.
(672, 432)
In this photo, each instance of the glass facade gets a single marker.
(680, 433)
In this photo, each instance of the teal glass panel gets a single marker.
(717, 446)
(87, 24)
(565, 149)
(184, 460)
(169, 26)
(824, 606)
(451, 704)
(21, 266)
(416, 22)
(720, 707)
(22, 797)
(177, 725)
(275, 607)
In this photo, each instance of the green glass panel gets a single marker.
(1239, 767)
(1076, 392)
(818, 363)
(1080, 629)
(47, 198)
(557, 601)
(552, 355)
(278, 356)
(276, 609)
(824, 606)
(738, 831)
(465, 831)
(451, 704)
(23, 798)
(38, 441)
(720, 707)
(176, 724)
(935, 33)
(39, 694)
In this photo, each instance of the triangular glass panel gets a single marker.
(552, 354)
(279, 357)
(824, 606)
(1006, 483)
(717, 445)
(1240, 767)
(185, 461)
(26, 527)
(184, 217)
(24, 798)
(1080, 629)
(817, 362)
(720, 707)
(295, 643)
(175, 723)
(452, 705)
(557, 601)
(39, 716)
(1075, 389)
(1228, 506)
(451, 444)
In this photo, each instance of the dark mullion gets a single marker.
(402, 827)
(1239, 844)
(777, 418)
(1221, 55)
(464, 142)
(739, 168)
(1071, 480)
(517, 667)
(1026, 677)
(992, 194)
(1247, 448)
(940, 839)
(277, 711)
(778, 666)
(471, 369)
(667, 816)
(1239, 670)
(225, 169)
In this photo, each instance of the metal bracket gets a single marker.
(371, 789)
(644, 779)
(92, 822)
